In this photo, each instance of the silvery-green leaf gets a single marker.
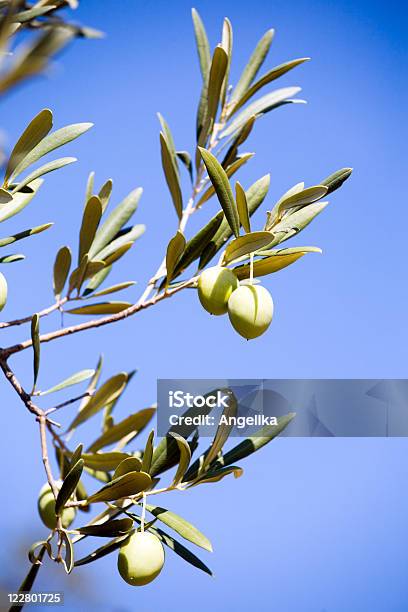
(35, 337)
(255, 195)
(104, 462)
(68, 486)
(105, 193)
(30, 232)
(62, 266)
(100, 308)
(75, 379)
(109, 391)
(171, 175)
(185, 458)
(242, 206)
(124, 486)
(130, 464)
(292, 199)
(226, 43)
(114, 288)
(273, 263)
(246, 244)
(293, 223)
(335, 180)
(261, 106)
(184, 157)
(134, 423)
(109, 529)
(50, 167)
(116, 220)
(148, 453)
(20, 200)
(97, 280)
(219, 474)
(203, 47)
(175, 250)
(50, 143)
(223, 431)
(236, 141)
(216, 78)
(170, 141)
(127, 237)
(230, 171)
(223, 189)
(68, 560)
(181, 526)
(90, 222)
(89, 186)
(270, 76)
(37, 129)
(255, 62)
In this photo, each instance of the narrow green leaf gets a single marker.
(30, 232)
(128, 237)
(37, 129)
(104, 462)
(97, 280)
(184, 157)
(114, 288)
(105, 193)
(180, 550)
(274, 263)
(35, 337)
(100, 308)
(20, 200)
(226, 43)
(169, 140)
(107, 393)
(90, 222)
(89, 186)
(270, 76)
(101, 552)
(148, 453)
(255, 195)
(134, 423)
(75, 379)
(62, 267)
(171, 175)
(116, 220)
(11, 258)
(181, 526)
(175, 250)
(242, 206)
(223, 189)
(124, 486)
(68, 486)
(255, 62)
(203, 47)
(68, 561)
(131, 464)
(293, 223)
(260, 107)
(32, 13)
(50, 143)
(335, 180)
(109, 529)
(246, 244)
(223, 431)
(230, 171)
(294, 198)
(50, 167)
(76, 456)
(185, 458)
(217, 475)
(218, 70)
(237, 141)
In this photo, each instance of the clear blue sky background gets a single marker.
(314, 525)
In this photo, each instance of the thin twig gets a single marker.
(42, 313)
(68, 402)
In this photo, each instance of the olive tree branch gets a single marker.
(43, 313)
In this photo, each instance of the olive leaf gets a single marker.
(107, 421)
(148, 453)
(261, 106)
(20, 200)
(104, 462)
(254, 64)
(294, 223)
(181, 526)
(76, 456)
(185, 458)
(11, 258)
(124, 486)
(246, 244)
(223, 189)
(114, 223)
(175, 250)
(105, 193)
(230, 171)
(100, 308)
(128, 237)
(216, 475)
(294, 199)
(134, 423)
(171, 175)
(107, 393)
(273, 263)
(68, 486)
(255, 195)
(5, 196)
(335, 180)
(169, 140)
(130, 464)
(185, 158)
(35, 337)
(223, 431)
(89, 186)
(90, 222)
(62, 266)
(25, 234)
(114, 288)
(37, 129)
(216, 78)
(101, 552)
(242, 206)
(30, 14)
(203, 47)
(237, 140)
(50, 143)
(226, 43)
(270, 76)
(43, 545)
(109, 529)
(75, 379)
(68, 561)
(46, 169)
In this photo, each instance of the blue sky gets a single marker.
(314, 525)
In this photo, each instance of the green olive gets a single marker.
(215, 286)
(141, 558)
(3, 291)
(46, 508)
(250, 309)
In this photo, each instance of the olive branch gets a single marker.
(226, 116)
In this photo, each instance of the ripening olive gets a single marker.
(46, 508)
(250, 309)
(141, 558)
(215, 286)
(3, 291)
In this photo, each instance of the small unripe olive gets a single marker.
(250, 309)
(141, 558)
(3, 291)
(215, 286)
(46, 508)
